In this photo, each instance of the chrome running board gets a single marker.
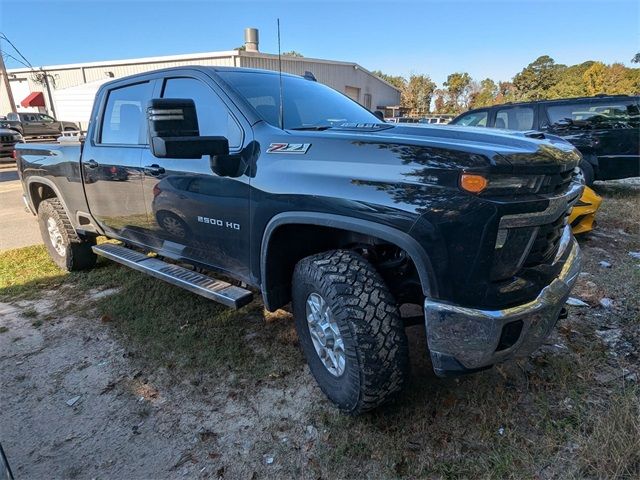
(208, 287)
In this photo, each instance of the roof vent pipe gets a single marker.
(251, 39)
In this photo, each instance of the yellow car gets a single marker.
(583, 214)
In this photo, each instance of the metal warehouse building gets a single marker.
(72, 87)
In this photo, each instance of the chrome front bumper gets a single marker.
(464, 339)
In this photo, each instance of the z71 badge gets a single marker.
(299, 148)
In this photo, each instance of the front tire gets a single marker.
(350, 330)
(65, 247)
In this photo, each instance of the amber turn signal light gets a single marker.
(473, 183)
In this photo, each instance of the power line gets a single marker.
(6, 39)
(45, 74)
(8, 55)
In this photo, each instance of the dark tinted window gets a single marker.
(473, 119)
(124, 120)
(597, 113)
(306, 103)
(515, 118)
(213, 116)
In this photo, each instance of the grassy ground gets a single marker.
(571, 410)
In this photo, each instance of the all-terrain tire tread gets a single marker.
(372, 316)
(79, 254)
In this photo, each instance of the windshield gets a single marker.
(307, 104)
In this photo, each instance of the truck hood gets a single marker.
(506, 151)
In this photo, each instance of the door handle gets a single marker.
(154, 169)
(92, 164)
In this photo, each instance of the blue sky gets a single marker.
(493, 39)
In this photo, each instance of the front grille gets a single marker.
(557, 182)
(545, 246)
(7, 139)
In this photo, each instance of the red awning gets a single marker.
(35, 99)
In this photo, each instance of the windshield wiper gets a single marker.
(312, 127)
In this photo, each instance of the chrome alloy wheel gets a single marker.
(56, 237)
(325, 335)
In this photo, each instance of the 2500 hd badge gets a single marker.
(219, 223)
(469, 225)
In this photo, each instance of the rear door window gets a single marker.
(474, 119)
(622, 113)
(124, 122)
(515, 118)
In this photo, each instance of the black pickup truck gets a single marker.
(33, 124)
(310, 199)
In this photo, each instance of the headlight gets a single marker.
(501, 184)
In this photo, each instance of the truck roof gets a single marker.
(559, 100)
(203, 69)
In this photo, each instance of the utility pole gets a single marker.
(46, 83)
(7, 86)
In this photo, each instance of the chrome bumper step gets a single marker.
(222, 292)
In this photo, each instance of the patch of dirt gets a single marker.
(131, 421)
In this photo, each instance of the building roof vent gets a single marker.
(251, 39)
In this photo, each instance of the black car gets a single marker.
(8, 140)
(606, 129)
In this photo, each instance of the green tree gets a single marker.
(417, 94)
(292, 53)
(483, 94)
(594, 78)
(458, 88)
(537, 78)
(571, 82)
(440, 102)
(506, 93)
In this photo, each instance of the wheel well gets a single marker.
(40, 192)
(290, 243)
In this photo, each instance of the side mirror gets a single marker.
(174, 132)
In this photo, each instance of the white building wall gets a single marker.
(338, 75)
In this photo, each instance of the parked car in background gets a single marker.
(401, 120)
(583, 214)
(8, 140)
(605, 128)
(33, 124)
(436, 119)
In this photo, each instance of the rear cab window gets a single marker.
(595, 113)
(515, 118)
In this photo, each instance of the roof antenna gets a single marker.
(281, 114)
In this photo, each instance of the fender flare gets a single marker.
(392, 235)
(50, 184)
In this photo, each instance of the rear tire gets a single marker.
(370, 331)
(65, 247)
(587, 172)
